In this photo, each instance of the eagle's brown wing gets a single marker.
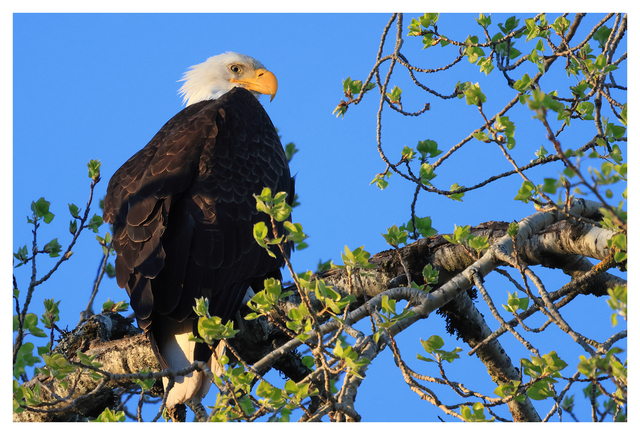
(183, 210)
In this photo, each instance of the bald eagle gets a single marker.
(183, 211)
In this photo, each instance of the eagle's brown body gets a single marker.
(183, 212)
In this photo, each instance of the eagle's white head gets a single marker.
(219, 74)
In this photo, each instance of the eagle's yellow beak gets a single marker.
(263, 81)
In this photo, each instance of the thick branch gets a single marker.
(117, 345)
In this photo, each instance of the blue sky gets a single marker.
(99, 86)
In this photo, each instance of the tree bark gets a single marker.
(117, 345)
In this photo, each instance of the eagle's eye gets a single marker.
(235, 68)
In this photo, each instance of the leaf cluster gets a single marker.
(433, 346)
(545, 369)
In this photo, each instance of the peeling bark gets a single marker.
(117, 345)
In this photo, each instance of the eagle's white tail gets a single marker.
(177, 352)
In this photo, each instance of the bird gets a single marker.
(183, 211)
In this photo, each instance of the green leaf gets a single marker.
(40, 210)
(486, 65)
(477, 415)
(560, 25)
(503, 124)
(356, 259)
(429, 19)
(423, 226)
(94, 170)
(568, 403)
(341, 109)
(428, 40)
(541, 153)
(290, 150)
(456, 196)
(618, 241)
(295, 234)
(53, 248)
(524, 84)
(586, 108)
(579, 89)
(380, 181)
(212, 330)
(414, 28)
(513, 229)
(31, 324)
(617, 131)
(395, 237)
(484, 21)
(482, 136)
(602, 35)
(532, 29)
(618, 302)
(478, 243)
(88, 360)
(509, 25)
(514, 303)
(260, 232)
(323, 266)
(408, 154)
(473, 53)
(535, 58)
(460, 234)
(526, 192)
(146, 384)
(58, 363)
(474, 95)
(426, 174)
(74, 210)
(616, 155)
(394, 96)
(94, 223)
(110, 416)
(514, 53)
(430, 274)
(428, 148)
(263, 301)
(388, 313)
(25, 358)
(554, 364)
(350, 357)
(509, 389)
(550, 185)
(308, 361)
(540, 390)
(434, 343)
(21, 255)
(449, 356)
(274, 206)
(346, 85)
(114, 307)
(623, 115)
(425, 359)
(600, 62)
(352, 88)
(460, 88)
(549, 366)
(388, 305)
(51, 313)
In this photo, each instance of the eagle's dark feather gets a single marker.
(183, 211)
